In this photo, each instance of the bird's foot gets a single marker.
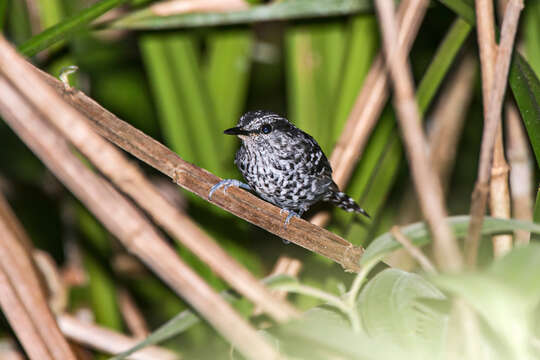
(290, 215)
(226, 183)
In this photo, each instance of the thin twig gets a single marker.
(21, 273)
(369, 103)
(491, 124)
(199, 181)
(124, 221)
(414, 251)
(133, 317)
(500, 196)
(106, 340)
(127, 177)
(522, 170)
(427, 185)
(20, 321)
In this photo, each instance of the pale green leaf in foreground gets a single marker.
(419, 234)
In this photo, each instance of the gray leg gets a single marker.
(291, 214)
(226, 183)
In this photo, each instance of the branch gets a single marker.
(108, 341)
(491, 125)
(128, 178)
(20, 271)
(414, 251)
(20, 321)
(199, 181)
(125, 222)
(427, 185)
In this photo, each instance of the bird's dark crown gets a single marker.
(254, 120)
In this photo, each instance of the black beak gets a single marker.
(236, 131)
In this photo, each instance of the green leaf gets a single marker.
(227, 72)
(323, 334)
(464, 8)
(506, 295)
(276, 10)
(536, 214)
(67, 28)
(526, 88)
(393, 306)
(419, 235)
(439, 66)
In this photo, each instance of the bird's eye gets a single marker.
(266, 129)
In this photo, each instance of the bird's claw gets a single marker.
(227, 183)
(290, 215)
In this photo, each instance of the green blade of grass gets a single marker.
(536, 215)
(67, 28)
(419, 234)
(464, 8)
(531, 34)
(526, 89)
(193, 94)
(163, 84)
(361, 49)
(3, 13)
(277, 10)
(227, 77)
(445, 55)
(300, 65)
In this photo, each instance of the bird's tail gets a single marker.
(344, 201)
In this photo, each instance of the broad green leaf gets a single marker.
(526, 88)
(67, 28)
(506, 295)
(419, 235)
(277, 10)
(323, 334)
(531, 34)
(536, 215)
(392, 306)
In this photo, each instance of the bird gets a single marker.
(283, 165)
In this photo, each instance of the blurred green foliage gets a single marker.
(183, 82)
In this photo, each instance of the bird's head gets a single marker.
(260, 125)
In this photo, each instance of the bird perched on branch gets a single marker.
(283, 165)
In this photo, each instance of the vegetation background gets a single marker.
(184, 79)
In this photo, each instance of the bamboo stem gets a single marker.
(427, 185)
(492, 114)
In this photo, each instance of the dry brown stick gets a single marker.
(21, 272)
(522, 170)
(491, 124)
(112, 162)
(131, 314)
(123, 220)
(369, 103)
(427, 185)
(414, 251)
(500, 196)
(108, 341)
(199, 181)
(19, 319)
